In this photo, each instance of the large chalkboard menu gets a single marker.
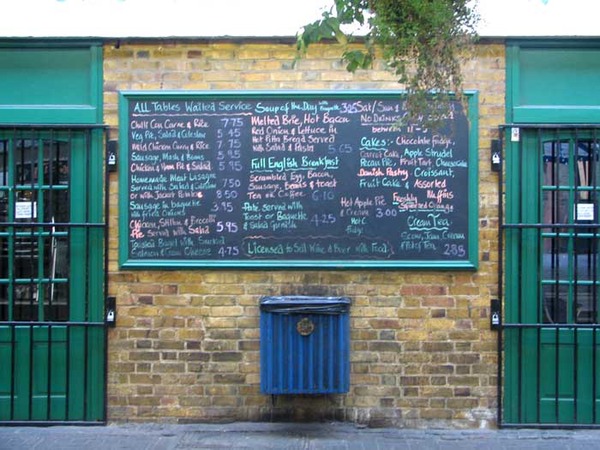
(295, 179)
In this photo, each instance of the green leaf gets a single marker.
(421, 41)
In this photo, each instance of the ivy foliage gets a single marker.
(423, 43)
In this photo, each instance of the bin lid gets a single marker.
(305, 304)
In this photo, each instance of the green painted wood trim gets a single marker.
(558, 114)
(511, 291)
(296, 264)
(97, 82)
(550, 43)
(522, 250)
(473, 118)
(518, 112)
(96, 395)
(89, 111)
(95, 214)
(473, 161)
(512, 73)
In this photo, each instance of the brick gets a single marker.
(433, 413)
(384, 323)
(413, 335)
(438, 369)
(143, 356)
(168, 367)
(226, 311)
(215, 300)
(462, 370)
(144, 379)
(414, 381)
(384, 346)
(225, 334)
(440, 302)
(187, 401)
(195, 54)
(438, 313)
(465, 358)
(221, 322)
(438, 346)
(143, 367)
(462, 392)
(231, 378)
(387, 335)
(461, 403)
(212, 346)
(226, 356)
(423, 290)
(248, 346)
(193, 356)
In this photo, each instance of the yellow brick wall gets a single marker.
(186, 343)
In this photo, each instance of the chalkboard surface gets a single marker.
(299, 179)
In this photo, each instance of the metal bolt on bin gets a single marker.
(304, 345)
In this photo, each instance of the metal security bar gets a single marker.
(52, 275)
(550, 338)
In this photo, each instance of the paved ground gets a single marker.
(286, 436)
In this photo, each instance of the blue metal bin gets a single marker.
(304, 345)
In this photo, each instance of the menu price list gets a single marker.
(294, 179)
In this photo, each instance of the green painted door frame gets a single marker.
(551, 340)
(552, 278)
(52, 331)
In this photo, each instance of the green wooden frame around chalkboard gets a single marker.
(468, 261)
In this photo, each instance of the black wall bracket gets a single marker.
(111, 311)
(495, 314)
(496, 156)
(111, 155)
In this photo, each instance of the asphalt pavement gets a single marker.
(286, 436)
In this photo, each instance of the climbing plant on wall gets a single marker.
(423, 42)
